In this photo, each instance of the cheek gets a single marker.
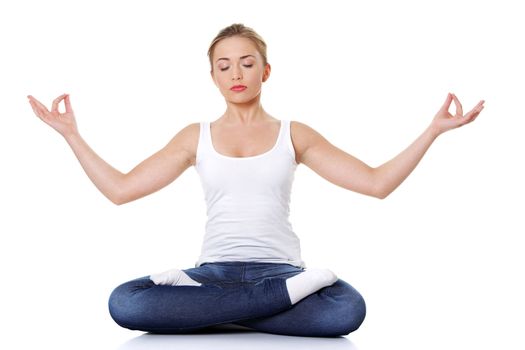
(222, 81)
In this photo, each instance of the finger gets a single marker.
(459, 107)
(68, 104)
(56, 101)
(470, 116)
(37, 112)
(39, 109)
(40, 112)
(479, 105)
(477, 111)
(38, 103)
(447, 103)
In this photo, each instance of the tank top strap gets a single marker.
(204, 139)
(203, 146)
(286, 139)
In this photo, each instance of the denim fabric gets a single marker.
(249, 294)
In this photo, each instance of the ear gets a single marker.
(266, 73)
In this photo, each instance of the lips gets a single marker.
(238, 88)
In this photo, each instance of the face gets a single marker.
(236, 61)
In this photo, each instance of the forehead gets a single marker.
(234, 47)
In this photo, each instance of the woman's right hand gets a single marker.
(63, 123)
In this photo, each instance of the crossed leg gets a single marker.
(264, 305)
(140, 304)
(335, 310)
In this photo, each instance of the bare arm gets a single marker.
(106, 178)
(161, 168)
(345, 170)
(332, 163)
(392, 173)
(152, 174)
(149, 176)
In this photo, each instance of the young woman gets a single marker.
(250, 270)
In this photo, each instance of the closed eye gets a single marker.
(246, 65)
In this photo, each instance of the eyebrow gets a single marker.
(227, 59)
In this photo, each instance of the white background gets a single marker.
(439, 262)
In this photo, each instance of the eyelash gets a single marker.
(246, 65)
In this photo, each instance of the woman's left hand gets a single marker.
(444, 121)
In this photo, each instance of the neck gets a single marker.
(248, 113)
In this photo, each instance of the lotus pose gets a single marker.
(250, 270)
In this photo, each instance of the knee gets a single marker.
(348, 311)
(122, 303)
(352, 311)
(356, 312)
(118, 304)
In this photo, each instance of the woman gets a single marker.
(250, 270)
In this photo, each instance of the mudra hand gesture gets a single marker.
(63, 123)
(444, 121)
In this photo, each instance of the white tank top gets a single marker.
(247, 201)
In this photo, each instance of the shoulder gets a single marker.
(186, 141)
(304, 138)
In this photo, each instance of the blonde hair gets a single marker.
(239, 29)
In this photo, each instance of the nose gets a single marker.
(236, 75)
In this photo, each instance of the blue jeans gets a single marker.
(249, 294)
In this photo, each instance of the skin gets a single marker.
(246, 129)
